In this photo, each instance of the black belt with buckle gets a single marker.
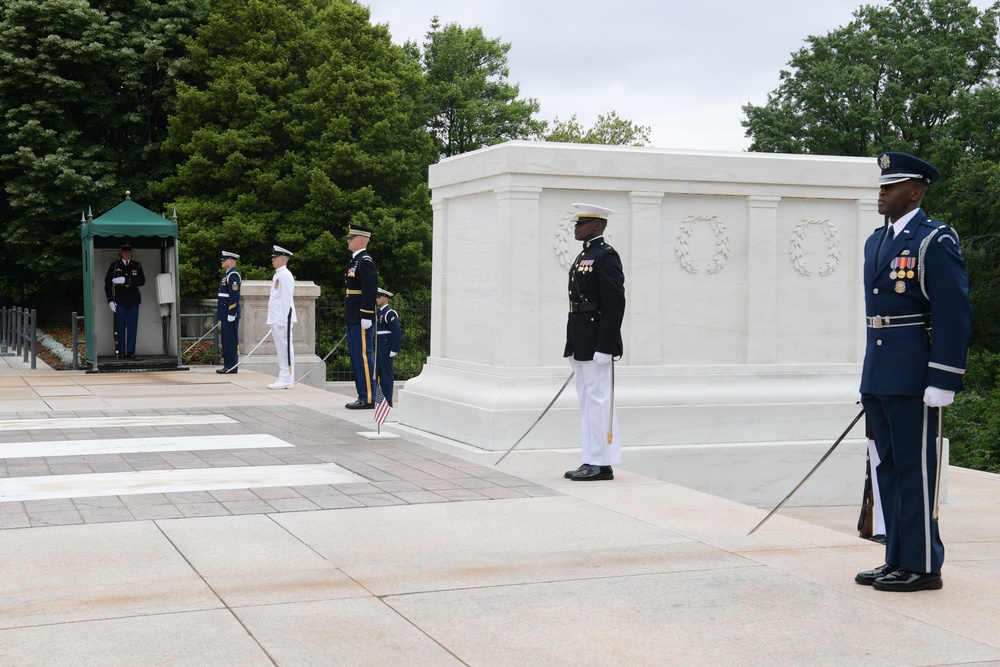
(585, 307)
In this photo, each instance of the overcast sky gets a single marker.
(682, 68)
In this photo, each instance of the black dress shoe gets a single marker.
(569, 473)
(868, 577)
(905, 582)
(878, 539)
(592, 473)
(358, 405)
(227, 371)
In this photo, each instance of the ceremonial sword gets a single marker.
(247, 356)
(806, 478)
(323, 360)
(192, 345)
(551, 403)
(288, 345)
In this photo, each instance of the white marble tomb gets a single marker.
(744, 331)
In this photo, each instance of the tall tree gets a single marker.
(914, 75)
(85, 89)
(610, 130)
(918, 76)
(468, 98)
(296, 118)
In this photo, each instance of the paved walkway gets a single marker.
(187, 518)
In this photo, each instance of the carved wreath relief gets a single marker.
(682, 250)
(566, 248)
(832, 247)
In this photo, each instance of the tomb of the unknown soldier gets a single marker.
(744, 329)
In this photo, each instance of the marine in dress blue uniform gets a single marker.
(228, 312)
(594, 340)
(361, 285)
(389, 335)
(121, 287)
(919, 320)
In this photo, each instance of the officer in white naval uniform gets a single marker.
(281, 317)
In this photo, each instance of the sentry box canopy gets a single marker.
(154, 245)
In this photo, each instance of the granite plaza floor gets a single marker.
(187, 518)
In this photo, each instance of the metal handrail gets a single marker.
(216, 343)
(19, 336)
(75, 328)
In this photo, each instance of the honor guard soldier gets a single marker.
(919, 319)
(389, 335)
(361, 284)
(594, 340)
(228, 312)
(281, 317)
(121, 286)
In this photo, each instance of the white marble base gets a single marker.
(376, 435)
(656, 405)
(744, 320)
(171, 481)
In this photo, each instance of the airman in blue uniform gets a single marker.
(228, 312)
(919, 320)
(389, 335)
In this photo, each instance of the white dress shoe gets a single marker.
(280, 385)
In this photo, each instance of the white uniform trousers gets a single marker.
(286, 352)
(593, 389)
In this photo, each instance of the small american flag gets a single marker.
(381, 406)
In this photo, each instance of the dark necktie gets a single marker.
(885, 244)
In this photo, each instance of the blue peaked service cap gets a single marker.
(899, 167)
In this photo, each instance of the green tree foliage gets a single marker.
(610, 130)
(918, 76)
(973, 421)
(295, 119)
(84, 93)
(914, 75)
(468, 100)
(970, 200)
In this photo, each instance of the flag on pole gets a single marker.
(381, 406)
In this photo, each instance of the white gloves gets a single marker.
(391, 354)
(938, 398)
(231, 318)
(602, 358)
(120, 280)
(113, 306)
(366, 324)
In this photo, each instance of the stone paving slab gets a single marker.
(442, 558)
(215, 638)
(398, 472)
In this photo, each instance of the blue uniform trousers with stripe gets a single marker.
(905, 434)
(361, 346)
